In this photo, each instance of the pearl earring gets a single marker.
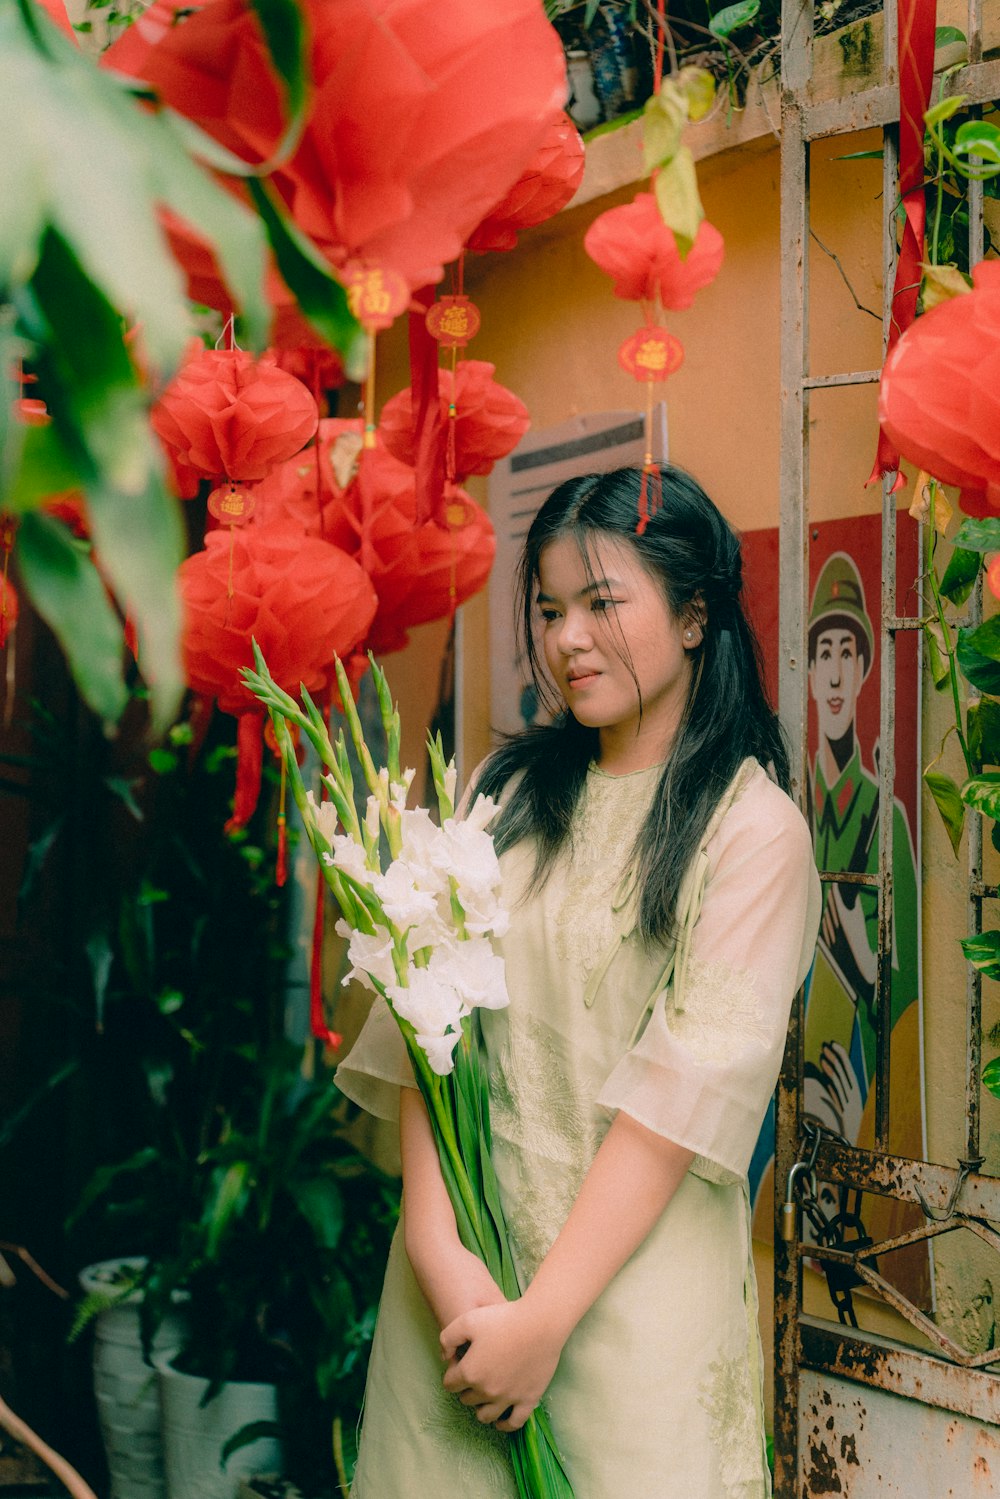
(688, 634)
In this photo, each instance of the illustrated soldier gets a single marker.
(840, 1040)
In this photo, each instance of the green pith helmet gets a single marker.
(838, 595)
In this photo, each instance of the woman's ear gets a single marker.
(694, 623)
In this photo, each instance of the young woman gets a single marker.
(664, 911)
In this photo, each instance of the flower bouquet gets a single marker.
(419, 902)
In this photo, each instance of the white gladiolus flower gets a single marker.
(398, 793)
(474, 971)
(480, 814)
(349, 857)
(324, 815)
(424, 850)
(403, 903)
(474, 866)
(440, 1051)
(429, 1004)
(372, 823)
(450, 781)
(370, 955)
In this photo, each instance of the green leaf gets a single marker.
(983, 952)
(979, 535)
(97, 404)
(983, 793)
(861, 156)
(978, 138)
(321, 298)
(697, 89)
(321, 1204)
(944, 36)
(960, 574)
(284, 31)
(949, 803)
(937, 656)
(67, 592)
(662, 123)
(944, 109)
(978, 654)
(726, 21)
(139, 538)
(991, 1076)
(678, 199)
(44, 467)
(231, 1188)
(253, 1431)
(983, 727)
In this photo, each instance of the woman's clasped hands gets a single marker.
(502, 1359)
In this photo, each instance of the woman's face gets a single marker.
(612, 643)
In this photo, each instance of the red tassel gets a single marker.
(249, 766)
(429, 446)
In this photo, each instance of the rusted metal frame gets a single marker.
(887, 676)
(847, 877)
(908, 1180)
(883, 1364)
(912, 1314)
(934, 1230)
(855, 377)
(977, 891)
(796, 65)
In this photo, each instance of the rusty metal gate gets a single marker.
(842, 1396)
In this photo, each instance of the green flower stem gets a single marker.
(946, 636)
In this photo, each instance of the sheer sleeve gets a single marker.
(377, 1065)
(704, 1068)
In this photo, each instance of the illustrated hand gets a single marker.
(502, 1361)
(844, 932)
(832, 1091)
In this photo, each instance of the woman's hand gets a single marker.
(508, 1361)
(458, 1282)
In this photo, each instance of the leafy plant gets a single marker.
(85, 165)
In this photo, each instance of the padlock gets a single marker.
(789, 1222)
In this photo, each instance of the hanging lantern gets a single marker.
(651, 355)
(635, 247)
(545, 186)
(939, 400)
(303, 601)
(424, 573)
(422, 112)
(489, 420)
(227, 414)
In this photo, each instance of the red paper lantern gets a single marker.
(547, 184)
(303, 601)
(939, 401)
(489, 419)
(435, 568)
(227, 413)
(421, 112)
(317, 489)
(635, 247)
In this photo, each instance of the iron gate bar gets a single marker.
(920, 1375)
(884, 1364)
(908, 1180)
(858, 377)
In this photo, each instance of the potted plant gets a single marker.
(240, 1191)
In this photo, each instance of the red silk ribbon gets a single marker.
(915, 56)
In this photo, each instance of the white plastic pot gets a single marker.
(128, 1406)
(195, 1435)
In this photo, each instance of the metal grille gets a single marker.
(950, 1196)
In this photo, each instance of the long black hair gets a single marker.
(691, 551)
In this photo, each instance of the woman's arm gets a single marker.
(515, 1347)
(451, 1277)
